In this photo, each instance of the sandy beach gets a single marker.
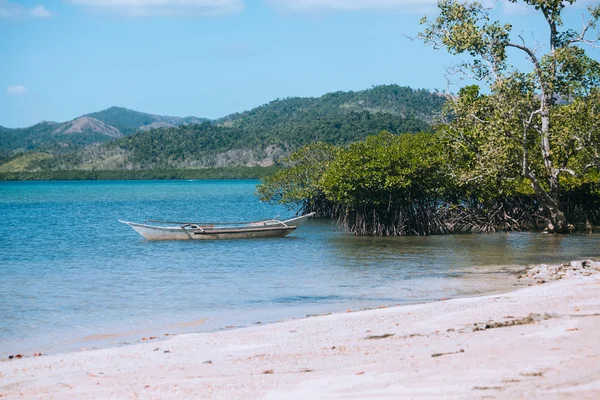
(540, 341)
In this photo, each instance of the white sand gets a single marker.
(329, 357)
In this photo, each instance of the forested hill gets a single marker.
(99, 127)
(259, 137)
(130, 121)
(390, 99)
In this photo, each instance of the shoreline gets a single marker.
(546, 347)
(116, 339)
(206, 173)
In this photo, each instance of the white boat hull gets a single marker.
(151, 232)
(211, 231)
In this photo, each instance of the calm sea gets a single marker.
(71, 276)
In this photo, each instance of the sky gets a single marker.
(61, 59)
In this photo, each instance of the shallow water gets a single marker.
(71, 276)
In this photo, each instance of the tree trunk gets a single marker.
(557, 218)
(558, 221)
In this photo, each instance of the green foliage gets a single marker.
(23, 162)
(519, 131)
(576, 138)
(528, 150)
(465, 27)
(480, 145)
(385, 185)
(387, 169)
(298, 184)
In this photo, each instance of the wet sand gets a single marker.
(537, 342)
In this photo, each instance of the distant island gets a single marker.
(119, 143)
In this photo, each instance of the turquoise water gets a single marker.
(71, 276)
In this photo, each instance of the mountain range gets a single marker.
(98, 127)
(122, 139)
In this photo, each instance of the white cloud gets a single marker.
(40, 12)
(321, 6)
(9, 10)
(147, 8)
(14, 10)
(16, 90)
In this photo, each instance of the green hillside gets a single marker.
(130, 121)
(100, 127)
(23, 163)
(391, 99)
(258, 137)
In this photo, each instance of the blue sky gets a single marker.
(208, 58)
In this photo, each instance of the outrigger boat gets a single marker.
(217, 230)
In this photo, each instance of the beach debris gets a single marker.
(257, 356)
(156, 349)
(385, 335)
(537, 373)
(543, 273)
(146, 387)
(318, 315)
(361, 373)
(268, 372)
(307, 370)
(445, 354)
(166, 351)
(530, 319)
(488, 388)
(207, 362)
(257, 323)
(332, 347)
(572, 329)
